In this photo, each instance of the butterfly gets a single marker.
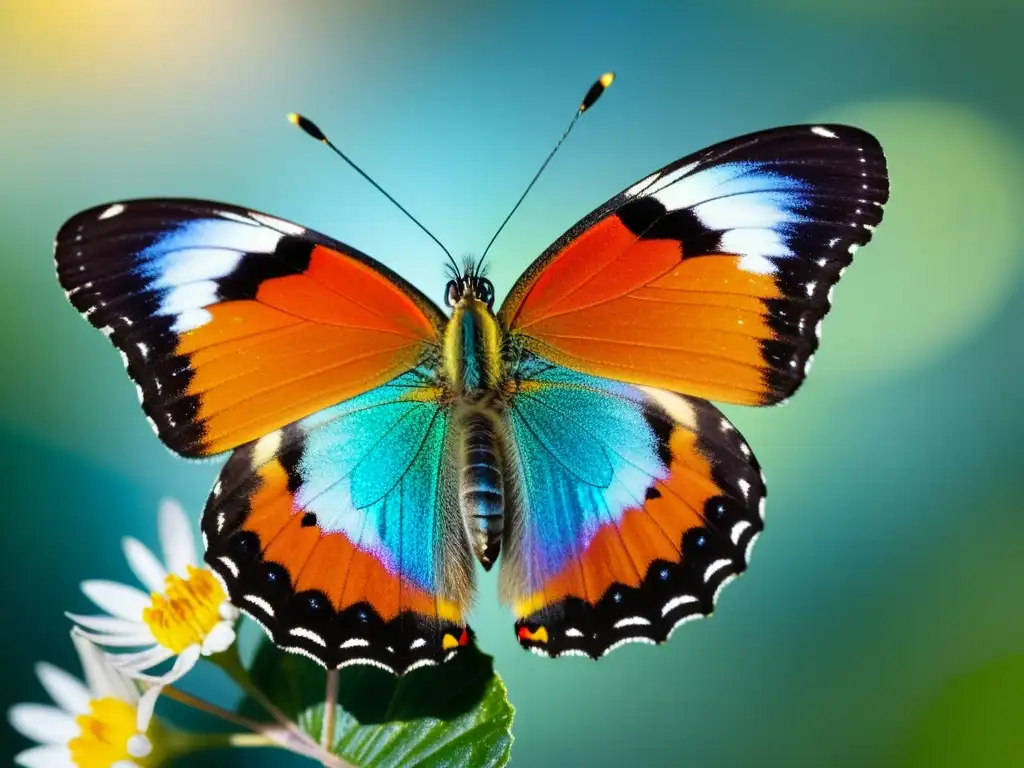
(380, 446)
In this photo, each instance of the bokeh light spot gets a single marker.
(946, 257)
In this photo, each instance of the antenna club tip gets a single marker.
(307, 126)
(596, 90)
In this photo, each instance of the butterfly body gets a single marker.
(380, 447)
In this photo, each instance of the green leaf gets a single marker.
(977, 720)
(456, 713)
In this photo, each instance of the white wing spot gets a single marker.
(421, 663)
(355, 642)
(715, 567)
(260, 602)
(112, 211)
(824, 132)
(631, 621)
(309, 635)
(675, 602)
(640, 186)
(230, 565)
(737, 530)
(266, 447)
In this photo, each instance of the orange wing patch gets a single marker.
(234, 324)
(695, 328)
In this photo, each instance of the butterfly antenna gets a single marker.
(311, 128)
(588, 101)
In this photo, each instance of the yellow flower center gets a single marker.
(187, 611)
(105, 734)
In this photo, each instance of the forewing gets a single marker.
(233, 323)
(711, 276)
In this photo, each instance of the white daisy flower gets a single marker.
(186, 615)
(102, 723)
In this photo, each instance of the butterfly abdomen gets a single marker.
(481, 485)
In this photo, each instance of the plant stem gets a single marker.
(250, 740)
(297, 740)
(290, 738)
(179, 743)
(229, 662)
(211, 709)
(330, 710)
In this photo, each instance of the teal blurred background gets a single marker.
(882, 619)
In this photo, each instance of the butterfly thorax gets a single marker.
(472, 350)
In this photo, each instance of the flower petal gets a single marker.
(107, 624)
(147, 703)
(118, 600)
(144, 564)
(67, 691)
(139, 746)
(43, 723)
(182, 665)
(130, 663)
(101, 677)
(121, 641)
(45, 757)
(176, 538)
(220, 638)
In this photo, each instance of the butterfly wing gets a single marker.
(710, 276)
(233, 323)
(636, 506)
(341, 533)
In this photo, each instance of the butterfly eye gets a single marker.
(486, 291)
(451, 293)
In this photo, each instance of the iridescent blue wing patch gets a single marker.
(636, 506)
(341, 534)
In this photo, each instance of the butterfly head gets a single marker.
(472, 337)
(468, 287)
